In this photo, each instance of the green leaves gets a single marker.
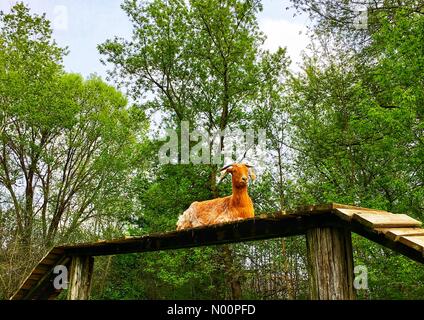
(201, 60)
(357, 112)
(67, 143)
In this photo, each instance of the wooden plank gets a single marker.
(345, 206)
(52, 256)
(28, 284)
(311, 209)
(347, 214)
(53, 295)
(22, 291)
(20, 294)
(50, 260)
(395, 233)
(35, 276)
(319, 208)
(43, 284)
(57, 250)
(39, 270)
(380, 238)
(250, 230)
(239, 231)
(416, 242)
(385, 220)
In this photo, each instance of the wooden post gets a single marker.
(330, 259)
(80, 277)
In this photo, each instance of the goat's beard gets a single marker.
(241, 184)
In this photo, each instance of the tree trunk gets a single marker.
(287, 271)
(212, 181)
(232, 274)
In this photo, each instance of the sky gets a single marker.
(83, 24)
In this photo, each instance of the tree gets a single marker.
(201, 61)
(365, 109)
(358, 132)
(66, 145)
(354, 22)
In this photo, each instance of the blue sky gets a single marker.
(82, 24)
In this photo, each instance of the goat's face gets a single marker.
(240, 174)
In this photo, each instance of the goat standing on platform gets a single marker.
(235, 207)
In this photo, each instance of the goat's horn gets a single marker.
(248, 165)
(226, 167)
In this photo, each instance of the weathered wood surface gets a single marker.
(238, 231)
(319, 208)
(385, 220)
(38, 285)
(416, 242)
(395, 233)
(290, 224)
(380, 238)
(80, 278)
(347, 214)
(330, 263)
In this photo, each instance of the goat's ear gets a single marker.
(252, 173)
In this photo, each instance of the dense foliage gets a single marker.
(78, 162)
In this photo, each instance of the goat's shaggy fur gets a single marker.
(235, 207)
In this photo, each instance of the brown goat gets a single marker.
(235, 207)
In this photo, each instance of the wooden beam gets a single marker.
(41, 274)
(330, 260)
(369, 223)
(380, 238)
(240, 231)
(318, 208)
(347, 214)
(80, 277)
(416, 242)
(395, 233)
(44, 283)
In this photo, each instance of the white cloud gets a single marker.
(282, 33)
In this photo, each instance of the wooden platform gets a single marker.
(398, 232)
(39, 284)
